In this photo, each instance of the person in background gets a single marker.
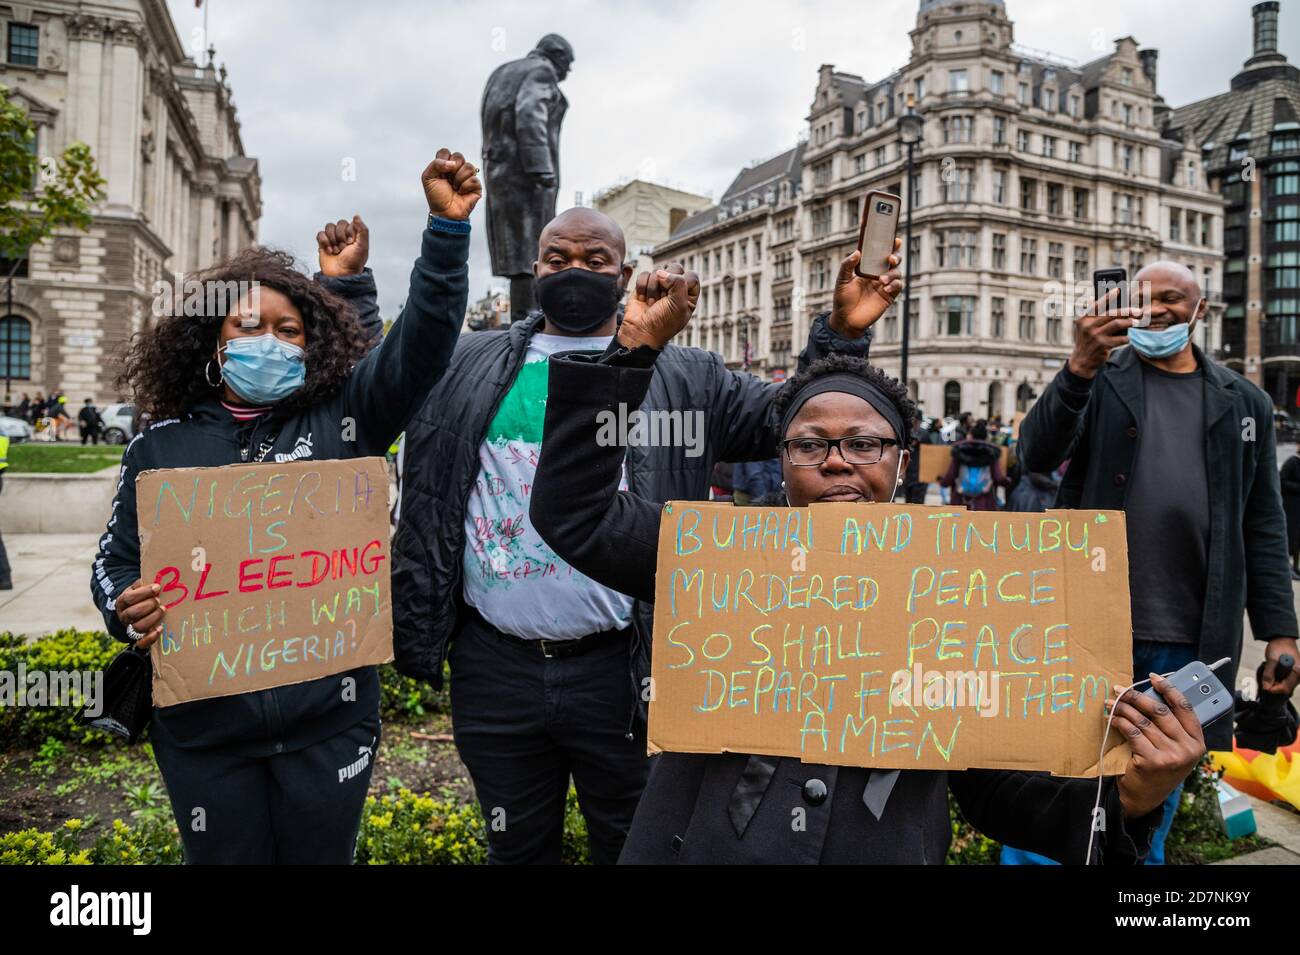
(89, 422)
(1184, 446)
(975, 472)
(924, 433)
(6, 575)
(755, 480)
(252, 381)
(24, 409)
(1290, 480)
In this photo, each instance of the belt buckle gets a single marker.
(547, 652)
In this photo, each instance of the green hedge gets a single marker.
(404, 828)
(82, 650)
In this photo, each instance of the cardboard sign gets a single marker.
(893, 636)
(271, 573)
(935, 459)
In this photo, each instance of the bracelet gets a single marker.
(439, 224)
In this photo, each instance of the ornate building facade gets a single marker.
(1031, 173)
(180, 193)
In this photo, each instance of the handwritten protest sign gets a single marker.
(891, 636)
(271, 574)
(935, 459)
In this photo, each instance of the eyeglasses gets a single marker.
(854, 449)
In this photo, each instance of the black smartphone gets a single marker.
(1196, 681)
(1105, 281)
(876, 237)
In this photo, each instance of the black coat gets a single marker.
(521, 114)
(1290, 481)
(1095, 424)
(441, 463)
(380, 395)
(735, 808)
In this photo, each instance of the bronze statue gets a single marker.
(521, 115)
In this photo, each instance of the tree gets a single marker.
(39, 195)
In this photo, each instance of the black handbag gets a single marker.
(128, 696)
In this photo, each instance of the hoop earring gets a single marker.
(207, 375)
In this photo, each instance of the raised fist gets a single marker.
(451, 185)
(343, 247)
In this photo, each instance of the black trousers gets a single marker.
(6, 575)
(297, 808)
(524, 723)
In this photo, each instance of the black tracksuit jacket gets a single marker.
(380, 395)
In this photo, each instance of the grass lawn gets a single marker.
(66, 458)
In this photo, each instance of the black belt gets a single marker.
(554, 649)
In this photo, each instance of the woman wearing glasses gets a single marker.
(843, 429)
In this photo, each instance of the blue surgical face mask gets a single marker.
(1160, 344)
(263, 369)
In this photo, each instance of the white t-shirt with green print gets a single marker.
(512, 576)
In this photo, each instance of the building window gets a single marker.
(958, 185)
(880, 156)
(1126, 76)
(1128, 114)
(955, 315)
(859, 164)
(956, 129)
(1023, 94)
(822, 173)
(1175, 225)
(1054, 329)
(999, 312)
(996, 82)
(999, 130)
(919, 88)
(1081, 203)
(821, 222)
(820, 274)
(852, 209)
(999, 187)
(1074, 106)
(1126, 162)
(1281, 143)
(1028, 256)
(914, 250)
(1029, 194)
(1027, 321)
(1127, 209)
(1022, 141)
(951, 399)
(24, 44)
(1081, 263)
(1049, 147)
(1076, 152)
(957, 81)
(999, 252)
(15, 347)
(1056, 260)
(1054, 199)
(962, 252)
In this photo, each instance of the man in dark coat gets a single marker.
(1291, 503)
(547, 665)
(1187, 449)
(521, 115)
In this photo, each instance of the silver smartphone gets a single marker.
(1196, 681)
(876, 237)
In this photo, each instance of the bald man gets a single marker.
(548, 667)
(1186, 447)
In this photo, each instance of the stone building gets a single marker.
(181, 193)
(1031, 173)
(648, 214)
(1248, 140)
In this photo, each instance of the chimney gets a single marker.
(1265, 15)
(1148, 59)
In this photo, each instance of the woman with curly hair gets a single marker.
(283, 370)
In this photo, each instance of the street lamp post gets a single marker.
(9, 325)
(910, 128)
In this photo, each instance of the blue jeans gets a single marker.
(1148, 657)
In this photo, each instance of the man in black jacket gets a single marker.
(548, 666)
(1186, 447)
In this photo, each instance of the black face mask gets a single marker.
(577, 301)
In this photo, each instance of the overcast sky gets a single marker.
(685, 93)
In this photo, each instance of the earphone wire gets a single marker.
(1101, 778)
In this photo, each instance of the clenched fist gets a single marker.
(343, 247)
(141, 611)
(451, 185)
(659, 307)
(859, 301)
